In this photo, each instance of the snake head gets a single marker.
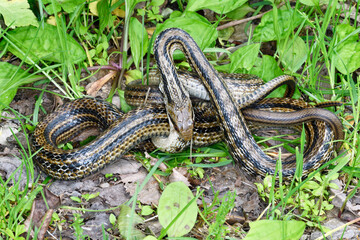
(182, 120)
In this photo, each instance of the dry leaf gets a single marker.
(95, 87)
(41, 213)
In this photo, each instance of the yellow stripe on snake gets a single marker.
(222, 120)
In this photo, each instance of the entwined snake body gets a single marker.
(122, 132)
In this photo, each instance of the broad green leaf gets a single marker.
(138, 40)
(240, 12)
(346, 33)
(293, 53)
(347, 51)
(275, 229)
(124, 223)
(132, 75)
(287, 20)
(218, 6)
(11, 77)
(266, 68)
(103, 9)
(157, 3)
(17, 13)
(45, 44)
(244, 57)
(68, 5)
(223, 68)
(197, 26)
(174, 198)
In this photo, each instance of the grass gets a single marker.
(324, 36)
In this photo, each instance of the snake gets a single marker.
(138, 94)
(122, 132)
(242, 146)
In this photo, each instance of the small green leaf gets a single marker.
(333, 185)
(69, 145)
(293, 53)
(112, 219)
(75, 199)
(310, 185)
(174, 198)
(287, 20)
(45, 44)
(17, 13)
(139, 40)
(275, 229)
(225, 34)
(11, 77)
(218, 6)
(197, 26)
(318, 192)
(109, 175)
(88, 196)
(146, 210)
(244, 57)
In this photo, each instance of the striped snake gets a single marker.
(122, 132)
(138, 94)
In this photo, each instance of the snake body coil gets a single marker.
(121, 132)
(242, 145)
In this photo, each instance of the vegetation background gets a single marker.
(73, 48)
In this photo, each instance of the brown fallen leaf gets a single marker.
(41, 213)
(149, 194)
(178, 175)
(95, 87)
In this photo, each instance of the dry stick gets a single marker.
(237, 22)
(338, 228)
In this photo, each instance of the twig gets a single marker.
(103, 67)
(338, 228)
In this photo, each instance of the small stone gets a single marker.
(105, 185)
